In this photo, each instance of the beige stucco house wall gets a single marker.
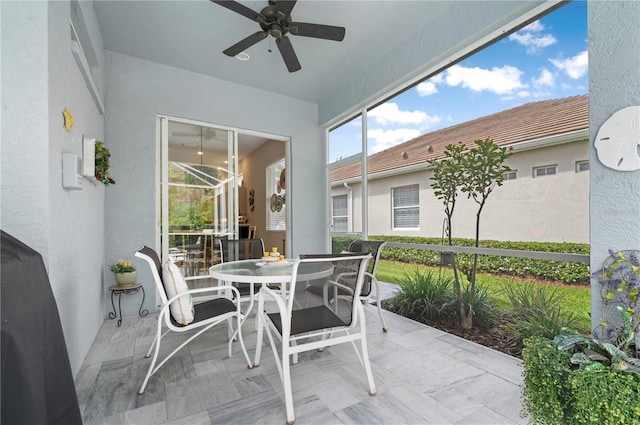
(549, 208)
(553, 208)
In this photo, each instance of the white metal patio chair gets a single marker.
(179, 314)
(311, 328)
(362, 246)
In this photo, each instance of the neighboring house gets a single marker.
(545, 198)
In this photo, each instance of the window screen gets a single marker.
(340, 213)
(406, 210)
(544, 171)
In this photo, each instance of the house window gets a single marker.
(276, 207)
(582, 166)
(547, 170)
(339, 213)
(406, 210)
(511, 175)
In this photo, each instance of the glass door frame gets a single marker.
(233, 207)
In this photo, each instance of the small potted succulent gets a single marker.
(125, 272)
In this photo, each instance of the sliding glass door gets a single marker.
(199, 191)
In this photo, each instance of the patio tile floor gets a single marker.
(423, 376)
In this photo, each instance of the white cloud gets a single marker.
(389, 113)
(384, 139)
(530, 38)
(535, 26)
(546, 79)
(426, 88)
(575, 67)
(504, 80)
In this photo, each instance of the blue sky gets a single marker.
(545, 60)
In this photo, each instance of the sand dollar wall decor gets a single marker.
(618, 140)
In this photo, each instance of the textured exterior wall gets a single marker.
(614, 83)
(545, 209)
(39, 79)
(138, 90)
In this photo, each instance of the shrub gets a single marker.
(543, 395)
(428, 296)
(424, 296)
(484, 309)
(576, 379)
(570, 273)
(535, 310)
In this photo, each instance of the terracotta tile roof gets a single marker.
(526, 122)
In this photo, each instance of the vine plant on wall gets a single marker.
(102, 164)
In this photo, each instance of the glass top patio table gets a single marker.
(257, 271)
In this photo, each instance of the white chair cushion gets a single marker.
(181, 309)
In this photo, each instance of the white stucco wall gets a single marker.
(545, 209)
(138, 90)
(39, 79)
(614, 83)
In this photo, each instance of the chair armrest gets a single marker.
(202, 290)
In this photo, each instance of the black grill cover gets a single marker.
(37, 383)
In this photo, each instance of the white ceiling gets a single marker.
(192, 35)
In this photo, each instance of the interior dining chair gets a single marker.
(361, 246)
(179, 314)
(303, 329)
(251, 234)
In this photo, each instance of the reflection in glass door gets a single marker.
(199, 185)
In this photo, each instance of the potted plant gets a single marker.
(102, 155)
(125, 272)
(578, 379)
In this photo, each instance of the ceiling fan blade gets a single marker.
(285, 6)
(288, 54)
(243, 45)
(239, 8)
(327, 32)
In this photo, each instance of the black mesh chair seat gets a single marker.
(309, 319)
(209, 309)
(361, 246)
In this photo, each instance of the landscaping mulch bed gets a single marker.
(497, 338)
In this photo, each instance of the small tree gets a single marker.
(448, 174)
(475, 172)
(483, 170)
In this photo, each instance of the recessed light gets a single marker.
(242, 56)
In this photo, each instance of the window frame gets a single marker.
(580, 163)
(334, 216)
(546, 169)
(395, 208)
(506, 175)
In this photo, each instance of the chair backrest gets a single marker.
(252, 232)
(151, 257)
(333, 273)
(241, 249)
(374, 248)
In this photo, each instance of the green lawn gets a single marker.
(577, 300)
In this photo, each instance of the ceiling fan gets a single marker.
(275, 20)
